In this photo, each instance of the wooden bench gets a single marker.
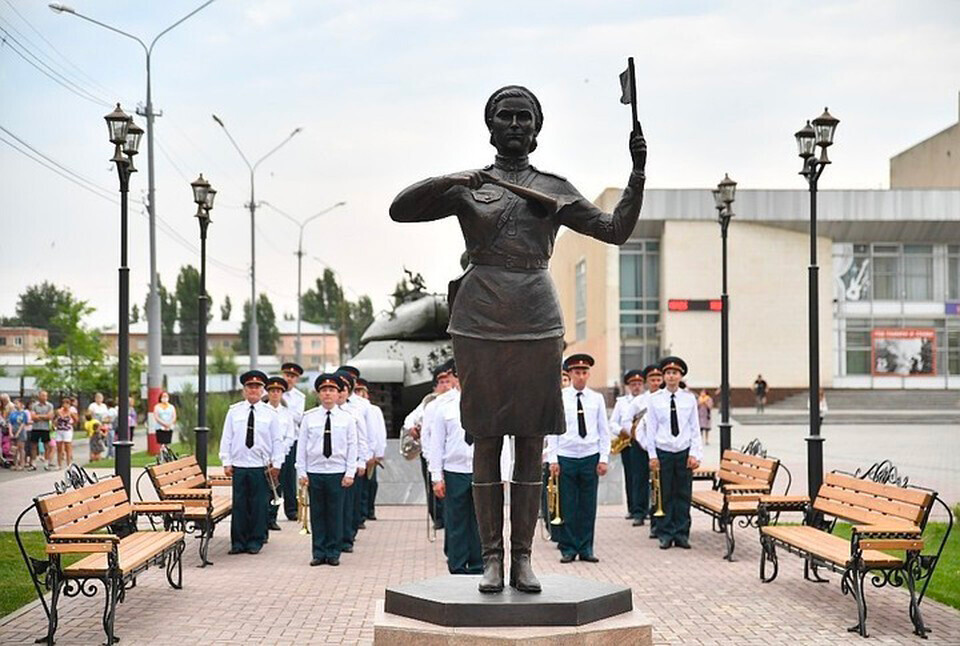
(737, 486)
(98, 519)
(886, 539)
(182, 481)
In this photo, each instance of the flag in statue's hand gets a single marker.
(628, 86)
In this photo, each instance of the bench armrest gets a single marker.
(785, 503)
(79, 548)
(746, 488)
(165, 507)
(187, 494)
(887, 530)
(84, 538)
(219, 481)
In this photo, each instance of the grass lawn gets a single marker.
(945, 585)
(16, 589)
(144, 459)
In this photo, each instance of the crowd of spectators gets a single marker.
(36, 434)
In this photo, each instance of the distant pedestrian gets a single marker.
(97, 438)
(19, 422)
(165, 415)
(63, 425)
(131, 418)
(97, 408)
(108, 424)
(760, 392)
(7, 443)
(704, 410)
(823, 404)
(41, 414)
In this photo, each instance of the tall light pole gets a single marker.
(125, 137)
(254, 338)
(154, 330)
(723, 197)
(203, 196)
(299, 254)
(820, 133)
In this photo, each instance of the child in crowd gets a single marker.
(19, 421)
(97, 437)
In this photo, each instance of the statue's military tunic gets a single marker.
(507, 295)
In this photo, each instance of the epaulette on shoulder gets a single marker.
(235, 404)
(553, 175)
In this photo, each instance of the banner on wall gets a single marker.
(904, 352)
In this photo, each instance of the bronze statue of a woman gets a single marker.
(505, 322)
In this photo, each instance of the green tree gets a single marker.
(226, 308)
(78, 362)
(224, 362)
(361, 316)
(323, 303)
(269, 335)
(38, 307)
(135, 313)
(188, 308)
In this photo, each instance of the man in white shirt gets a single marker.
(377, 433)
(250, 449)
(444, 385)
(673, 441)
(653, 379)
(296, 403)
(276, 389)
(579, 457)
(348, 402)
(621, 423)
(326, 462)
(451, 471)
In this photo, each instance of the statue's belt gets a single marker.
(528, 263)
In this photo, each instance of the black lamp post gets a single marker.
(820, 133)
(203, 195)
(723, 197)
(125, 137)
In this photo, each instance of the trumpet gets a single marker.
(303, 509)
(553, 500)
(621, 442)
(274, 494)
(657, 493)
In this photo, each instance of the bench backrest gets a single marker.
(183, 473)
(86, 509)
(740, 468)
(872, 503)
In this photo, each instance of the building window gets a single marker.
(858, 346)
(953, 272)
(886, 272)
(639, 303)
(918, 272)
(3, 340)
(580, 296)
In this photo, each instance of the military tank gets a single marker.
(399, 351)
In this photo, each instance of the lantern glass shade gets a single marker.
(117, 123)
(806, 141)
(728, 189)
(717, 199)
(825, 126)
(134, 133)
(208, 203)
(200, 188)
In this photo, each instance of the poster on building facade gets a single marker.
(904, 352)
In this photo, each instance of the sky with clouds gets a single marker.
(390, 92)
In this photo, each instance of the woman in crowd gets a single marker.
(63, 428)
(704, 408)
(166, 416)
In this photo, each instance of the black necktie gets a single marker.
(581, 420)
(327, 446)
(674, 421)
(250, 427)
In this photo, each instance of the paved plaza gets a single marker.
(691, 597)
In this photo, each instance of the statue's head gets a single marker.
(514, 118)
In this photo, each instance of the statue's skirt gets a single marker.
(510, 387)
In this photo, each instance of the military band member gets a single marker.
(413, 424)
(250, 450)
(350, 524)
(377, 434)
(296, 403)
(359, 407)
(654, 380)
(451, 470)
(621, 423)
(673, 439)
(579, 457)
(326, 462)
(446, 385)
(276, 388)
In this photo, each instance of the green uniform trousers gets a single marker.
(248, 524)
(464, 554)
(578, 504)
(676, 485)
(326, 514)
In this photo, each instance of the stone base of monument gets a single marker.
(449, 610)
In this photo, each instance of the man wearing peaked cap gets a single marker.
(251, 450)
(348, 402)
(622, 424)
(296, 403)
(328, 379)
(377, 431)
(673, 442)
(580, 360)
(654, 380)
(354, 372)
(276, 388)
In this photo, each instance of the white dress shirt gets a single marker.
(343, 442)
(638, 406)
(268, 447)
(296, 403)
(363, 446)
(570, 444)
(376, 427)
(658, 432)
(449, 450)
(288, 428)
(620, 418)
(429, 421)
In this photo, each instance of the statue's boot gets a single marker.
(524, 508)
(488, 502)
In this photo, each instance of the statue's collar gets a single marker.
(511, 163)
